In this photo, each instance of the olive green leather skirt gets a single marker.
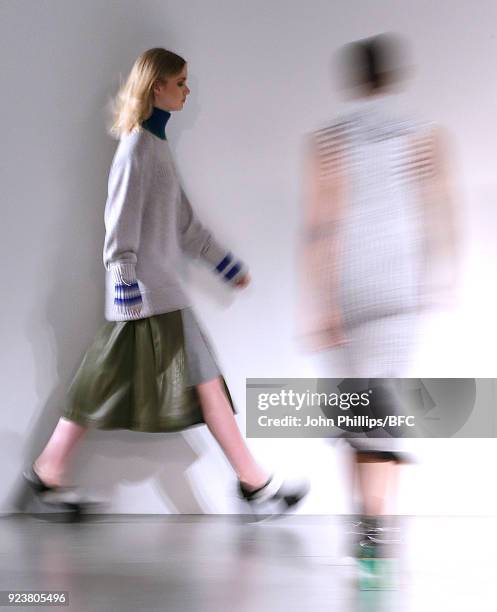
(141, 375)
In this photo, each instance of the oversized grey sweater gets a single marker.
(149, 225)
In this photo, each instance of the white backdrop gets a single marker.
(260, 78)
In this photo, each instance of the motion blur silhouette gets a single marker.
(380, 244)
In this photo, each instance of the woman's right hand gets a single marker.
(243, 281)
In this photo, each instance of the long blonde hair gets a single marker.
(135, 100)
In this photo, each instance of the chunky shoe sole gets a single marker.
(274, 499)
(39, 500)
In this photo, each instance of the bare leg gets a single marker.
(221, 422)
(374, 479)
(51, 464)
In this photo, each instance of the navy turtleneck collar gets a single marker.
(156, 123)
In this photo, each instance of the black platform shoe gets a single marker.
(275, 497)
(35, 482)
(40, 500)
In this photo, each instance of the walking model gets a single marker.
(150, 367)
(378, 218)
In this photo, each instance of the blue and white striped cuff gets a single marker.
(230, 268)
(127, 295)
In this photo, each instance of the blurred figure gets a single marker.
(378, 227)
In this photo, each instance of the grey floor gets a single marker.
(225, 563)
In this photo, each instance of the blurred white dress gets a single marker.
(377, 268)
(380, 233)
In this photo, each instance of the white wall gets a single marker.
(260, 79)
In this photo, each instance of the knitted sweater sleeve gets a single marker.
(198, 242)
(123, 217)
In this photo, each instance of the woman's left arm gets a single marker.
(198, 242)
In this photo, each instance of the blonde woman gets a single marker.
(151, 368)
